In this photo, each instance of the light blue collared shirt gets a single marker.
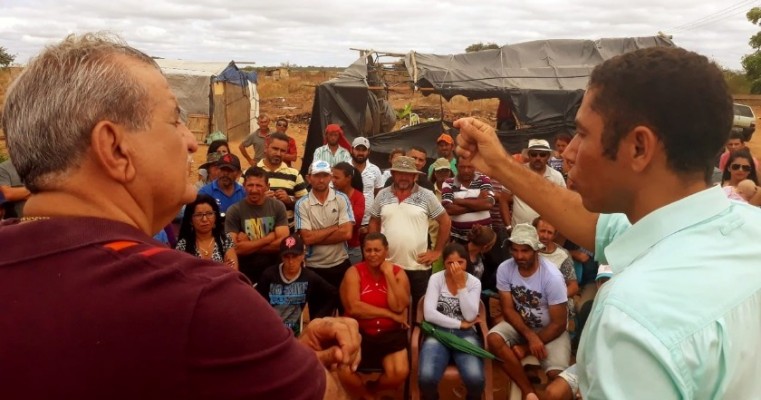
(681, 317)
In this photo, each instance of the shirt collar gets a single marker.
(286, 280)
(263, 166)
(313, 200)
(662, 223)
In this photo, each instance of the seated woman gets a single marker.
(203, 235)
(376, 293)
(451, 303)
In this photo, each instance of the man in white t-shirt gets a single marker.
(539, 152)
(533, 297)
(401, 212)
(372, 178)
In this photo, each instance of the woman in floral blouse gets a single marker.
(202, 233)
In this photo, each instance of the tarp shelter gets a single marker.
(544, 80)
(216, 96)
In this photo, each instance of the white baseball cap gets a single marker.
(360, 141)
(320, 167)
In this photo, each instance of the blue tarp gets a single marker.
(236, 76)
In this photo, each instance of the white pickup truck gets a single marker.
(744, 121)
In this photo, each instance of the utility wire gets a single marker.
(719, 15)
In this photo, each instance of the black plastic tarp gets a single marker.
(544, 80)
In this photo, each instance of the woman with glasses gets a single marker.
(202, 233)
(740, 166)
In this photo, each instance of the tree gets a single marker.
(752, 62)
(480, 46)
(6, 58)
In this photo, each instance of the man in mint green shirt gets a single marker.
(681, 317)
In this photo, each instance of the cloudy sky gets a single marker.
(305, 32)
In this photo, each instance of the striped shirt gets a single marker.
(323, 153)
(496, 215)
(452, 189)
(288, 179)
(405, 224)
(372, 179)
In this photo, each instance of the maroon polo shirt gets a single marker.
(94, 309)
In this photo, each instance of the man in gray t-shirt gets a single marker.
(12, 189)
(257, 139)
(257, 224)
(533, 299)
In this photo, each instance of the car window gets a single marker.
(743, 110)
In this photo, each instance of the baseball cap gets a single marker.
(211, 159)
(526, 234)
(445, 137)
(604, 271)
(230, 160)
(360, 141)
(539, 145)
(292, 244)
(320, 167)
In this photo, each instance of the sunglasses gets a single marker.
(735, 167)
(539, 154)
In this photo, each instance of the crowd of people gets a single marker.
(291, 285)
(345, 200)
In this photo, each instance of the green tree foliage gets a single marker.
(752, 62)
(6, 58)
(737, 81)
(481, 46)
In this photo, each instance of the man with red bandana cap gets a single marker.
(336, 148)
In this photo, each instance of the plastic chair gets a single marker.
(450, 373)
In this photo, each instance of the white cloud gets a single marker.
(308, 32)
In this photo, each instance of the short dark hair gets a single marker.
(736, 135)
(375, 236)
(564, 136)
(535, 223)
(680, 95)
(420, 149)
(277, 136)
(256, 172)
(281, 119)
